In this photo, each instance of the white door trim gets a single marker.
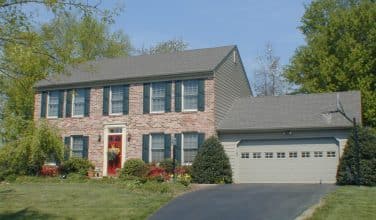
(105, 143)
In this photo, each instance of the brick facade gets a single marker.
(136, 122)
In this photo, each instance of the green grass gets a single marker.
(348, 203)
(86, 200)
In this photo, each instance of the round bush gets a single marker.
(76, 165)
(347, 172)
(135, 168)
(211, 164)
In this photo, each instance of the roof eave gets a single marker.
(261, 130)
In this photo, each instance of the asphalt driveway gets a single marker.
(245, 201)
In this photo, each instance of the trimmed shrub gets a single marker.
(134, 168)
(347, 172)
(211, 164)
(76, 165)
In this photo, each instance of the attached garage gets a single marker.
(312, 160)
(288, 139)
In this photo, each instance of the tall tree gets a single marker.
(269, 80)
(82, 39)
(340, 51)
(169, 46)
(68, 39)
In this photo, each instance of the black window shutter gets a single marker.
(106, 95)
(87, 102)
(178, 96)
(201, 139)
(145, 148)
(167, 142)
(67, 144)
(146, 98)
(61, 104)
(68, 104)
(201, 95)
(43, 106)
(178, 148)
(85, 151)
(125, 99)
(168, 97)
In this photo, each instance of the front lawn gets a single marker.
(86, 200)
(348, 202)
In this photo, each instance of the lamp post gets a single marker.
(173, 158)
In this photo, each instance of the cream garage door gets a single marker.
(288, 161)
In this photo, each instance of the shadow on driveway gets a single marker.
(245, 201)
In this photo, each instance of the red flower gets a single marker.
(48, 170)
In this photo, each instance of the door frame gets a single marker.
(106, 133)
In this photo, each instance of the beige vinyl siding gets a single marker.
(231, 83)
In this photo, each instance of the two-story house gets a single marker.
(110, 110)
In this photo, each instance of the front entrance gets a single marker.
(114, 154)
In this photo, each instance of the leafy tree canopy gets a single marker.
(340, 51)
(168, 46)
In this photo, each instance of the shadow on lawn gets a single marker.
(26, 214)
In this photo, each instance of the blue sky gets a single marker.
(249, 24)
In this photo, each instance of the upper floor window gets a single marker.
(78, 102)
(190, 95)
(157, 97)
(53, 104)
(116, 100)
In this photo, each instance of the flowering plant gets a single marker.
(48, 170)
(113, 152)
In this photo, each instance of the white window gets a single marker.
(245, 155)
(331, 154)
(116, 100)
(317, 153)
(53, 104)
(78, 101)
(305, 154)
(157, 97)
(190, 147)
(281, 155)
(77, 146)
(293, 154)
(256, 155)
(268, 154)
(190, 95)
(157, 147)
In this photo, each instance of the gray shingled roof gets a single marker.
(291, 112)
(189, 61)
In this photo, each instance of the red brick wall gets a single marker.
(136, 122)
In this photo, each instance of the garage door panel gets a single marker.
(308, 170)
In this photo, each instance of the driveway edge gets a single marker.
(309, 212)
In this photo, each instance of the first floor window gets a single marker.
(77, 146)
(53, 104)
(157, 147)
(190, 147)
(116, 97)
(190, 94)
(78, 102)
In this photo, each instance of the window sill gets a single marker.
(52, 117)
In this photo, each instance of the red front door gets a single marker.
(114, 154)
